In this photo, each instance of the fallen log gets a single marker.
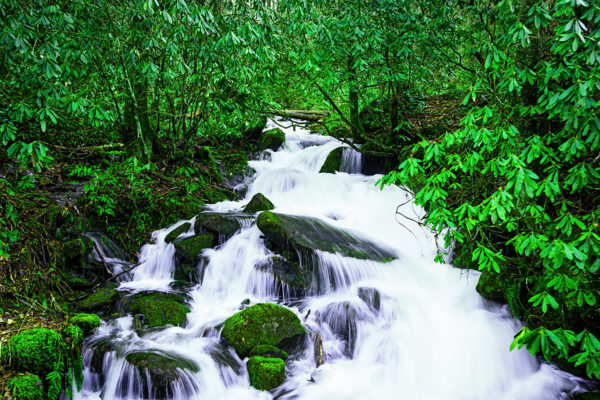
(308, 115)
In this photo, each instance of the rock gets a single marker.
(342, 317)
(190, 248)
(77, 282)
(258, 203)
(26, 387)
(222, 225)
(377, 163)
(297, 277)
(87, 322)
(36, 350)
(159, 371)
(158, 309)
(371, 297)
(264, 323)
(266, 373)
(101, 348)
(177, 231)
(272, 139)
(318, 348)
(75, 251)
(265, 350)
(306, 234)
(102, 299)
(586, 396)
(333, 162)
(490, 286)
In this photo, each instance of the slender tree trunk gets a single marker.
(353, 100)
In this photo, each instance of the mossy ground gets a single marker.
(265, 373)
(264, 323)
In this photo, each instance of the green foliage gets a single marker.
(517, 184)
(26, 387)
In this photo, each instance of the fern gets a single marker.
(54, 380)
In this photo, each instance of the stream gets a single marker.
(408, 328)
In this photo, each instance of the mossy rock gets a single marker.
(491, 286)
(266, 373)
(26, 387)
(265, 350)
(102, 299)
(77, 282)
(264, 323)
(159, 371)
(87, 322)
(587, 396)
(160, 309)
(333, 162)
(36, 350)
(258, 203)
(75, 251)
(190, 248)
(272, 139)
(222, 225)
(177, 231)
(298, 277)
(306, 234)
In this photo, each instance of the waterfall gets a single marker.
(406, 328)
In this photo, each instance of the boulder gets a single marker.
(371, 297)
(306, 234)
(333, 162)
(266, 373)
(264, 323)
(159, 371)
(222, 225)
(101, 300)
(87, 322)
(265, 350)
(272, 139)
(158, 309)
(297, 277)
(190, 248)
(490, 286)
(258, 203)
(177, 231)
(26, 387)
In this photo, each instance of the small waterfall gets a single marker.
(394, 327)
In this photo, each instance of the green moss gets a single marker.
(258, 203)
(87, 322)
(26, 387)
(190, 248)
(100, 300)
(76, 282)
(73, 337)
(225, 224)
(272, 139)
(491, 286)
(177, 231)
(333, 162)
(37, 350)
(264, 323)
(160, 310)
(266, 373)
(265, 350)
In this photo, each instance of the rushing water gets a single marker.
(407, 329)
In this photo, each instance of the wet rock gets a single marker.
(177, 231)
(100, 348)
(318, 348)
(371, 297)
(222, 225)
(266, 373)
(265, 350)
(159, 371)
(586, 396)
(377, 163)
(305, 234)
(258, 203)
(272, 139)
(190, 248)
(158, 309)
(101, 300)
(87, 322)
(264, 323)
(342, 318)
(490, 286)
(298, 277)
(333, 162)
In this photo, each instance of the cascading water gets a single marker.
(408, 328)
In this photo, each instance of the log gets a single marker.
(308, 115)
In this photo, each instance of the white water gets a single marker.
(431, 336)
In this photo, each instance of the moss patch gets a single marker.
(87, 322)
(333, 162)
(36, 351)
(272, 139)
(491, 286)
(160, 310)
(221, 224)
(258, 203)
(266, 373)
(264, 323)
(265, 350)
(177, 231)
(26, 387)
(190, 248)
(100, 300)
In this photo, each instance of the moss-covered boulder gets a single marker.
(190, 248)
(101, 300)
(159, 309)
(37, 351)
(159, 371)
(222, 225)
(491, 286)
(266, 373)
(76, 250)
(258, 203)
(87, 322)
(306, 234)
(333, 162)
(264, 323)
(26, 387)
(265, 350)
(297, 277)
(272, 139)
(177, 231)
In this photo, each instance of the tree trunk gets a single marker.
(353, 100)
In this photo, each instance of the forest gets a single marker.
(125, 117)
